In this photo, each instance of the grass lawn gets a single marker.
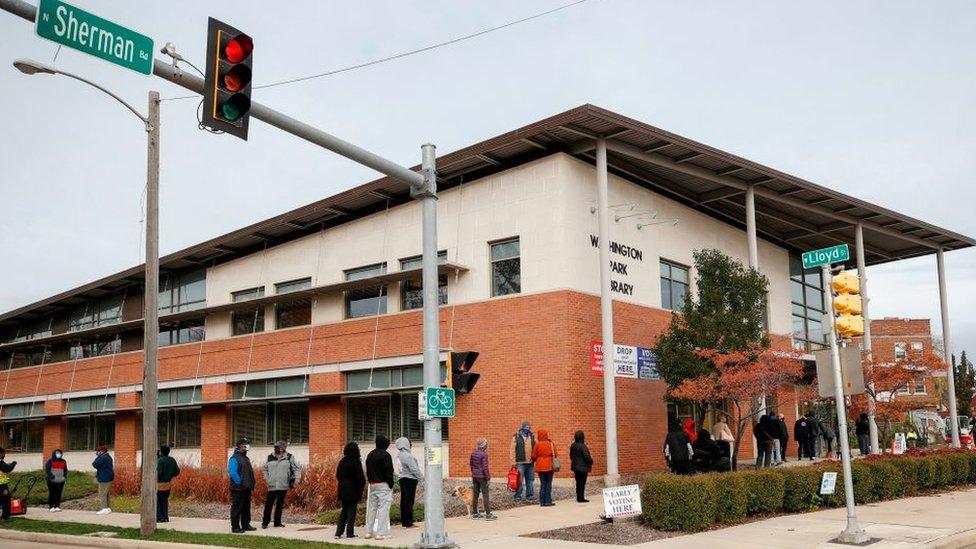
(77, 486)
(221, 540)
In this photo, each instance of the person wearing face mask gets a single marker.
(56, 472)
(166, 470)
(104, 474)
(281, 473)
(241, 484)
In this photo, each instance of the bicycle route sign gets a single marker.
(440, 402)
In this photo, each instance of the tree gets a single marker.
(738, 377)
(965, 378)
(726, 315)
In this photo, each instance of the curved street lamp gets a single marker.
(150, 442)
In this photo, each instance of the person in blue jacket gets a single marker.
(104, 475)
(241, 484)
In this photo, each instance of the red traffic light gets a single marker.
(227, 82)
(238, 48)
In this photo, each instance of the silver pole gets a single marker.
(606, 314)
(862, 274)
(433, 535)
(150, 441)
(853, 533)
(947, 347)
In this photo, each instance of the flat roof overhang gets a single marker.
(790, 212)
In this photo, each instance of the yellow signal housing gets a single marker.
(848, 304)
(846, 283)
(849, 326)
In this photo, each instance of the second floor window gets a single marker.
(293, 313)
(183, 292)
(674, 285)
(248, 321)
(97, 312)
(506, 267)
(412, 291)
(366, 301)
(900, 351)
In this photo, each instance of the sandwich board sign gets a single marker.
(828, 484)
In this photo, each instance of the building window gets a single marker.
(183, 292)
(94, 313)
(264, 388)
(293, 313)
(23, 435)
(506, 267)
(393, 416)
(366, 301)
(89, 432)
(185, 331)
(247, 321)
(920, 385)
(91, 404)
(412, 291)
(388, 378)
(674, 285)
(95, 348)
(917, 347)
(178, 395)
(267, 422)
(807, 297)
(900, 351)
(179, 428)
(33, 330)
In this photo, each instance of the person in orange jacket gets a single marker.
(542, 455)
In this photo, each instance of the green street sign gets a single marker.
(440, 402)
(89, 33)
(826, 256)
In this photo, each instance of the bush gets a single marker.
(909, 474)
(925, 469)
(943, 471)
(959, 462)
(732, 500)
(765, 492)
(801, 489)
(680, 503)
(971, 456)
(887, 480)
(863, 482)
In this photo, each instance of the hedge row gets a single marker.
(695, 503)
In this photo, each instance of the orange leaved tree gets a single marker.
(740, 377)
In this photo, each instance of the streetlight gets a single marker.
(151, 312)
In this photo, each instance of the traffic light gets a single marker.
(227, 84)
(847, 304)
(459, 366)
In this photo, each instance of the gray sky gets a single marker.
(871, 98)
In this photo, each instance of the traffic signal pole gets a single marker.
(422, 186)
(853, 534)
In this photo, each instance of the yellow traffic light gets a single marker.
(847, 303)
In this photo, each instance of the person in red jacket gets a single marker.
(480, 477)
(542, 455)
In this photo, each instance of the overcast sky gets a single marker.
(874, 99)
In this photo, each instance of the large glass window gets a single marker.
(900, 351)
(366, 301)
(807, 296)
(412, 291)
(289, 314)
(247, 321)
(98, 312)
(267, 422)
(263, 388)
(184, 331)
(386, 378)
(179, 428)
(674, 285)
(506, 267)
(392, 415)
(90, 432)
(178, 395)
(24, 435)
(99, 347)
(183, 292)
(91, 404)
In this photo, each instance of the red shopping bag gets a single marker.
(514, 479)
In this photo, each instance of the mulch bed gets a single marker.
(621, 533)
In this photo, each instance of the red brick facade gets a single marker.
(915, 334)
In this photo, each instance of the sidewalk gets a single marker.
(944, 520)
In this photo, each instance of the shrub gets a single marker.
(971, 456)
(127, 481)
(909, 474)
(318, 486)
(765, 492)
(863, 482)
(959, 462)
(674, 502)
(801, 489)
(887, 480)
(732, 500)
(943, 471)
(925, 470)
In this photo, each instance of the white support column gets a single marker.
(862, 274)
(606, 314)
(751, 227)
(947, 347)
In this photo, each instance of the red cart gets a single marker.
(18, 505)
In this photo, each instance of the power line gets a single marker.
(406, 53)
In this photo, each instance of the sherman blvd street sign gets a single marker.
(826, 256)
(440, 402)
(89, 33)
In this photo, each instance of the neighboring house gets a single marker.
(893, 339)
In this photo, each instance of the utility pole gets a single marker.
(150, 439)
(862, 273)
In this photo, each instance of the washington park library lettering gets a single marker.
(618, 267)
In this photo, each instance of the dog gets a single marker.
(467, 496)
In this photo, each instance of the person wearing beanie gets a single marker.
(520, 454)
(104, 475)
(281, 473)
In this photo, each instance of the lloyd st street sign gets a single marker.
(89, 33)
(826, 256)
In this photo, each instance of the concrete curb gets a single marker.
(89, 541)
(959, 540)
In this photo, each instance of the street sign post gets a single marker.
(826, 256)
(440, 402)
(88, 33)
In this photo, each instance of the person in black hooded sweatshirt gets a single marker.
(379, 474)
(582, 464)
(351, 479)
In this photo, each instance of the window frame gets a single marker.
(495, 291)
(382, 298)
(442, 282)
(671, 281)
(904, 350)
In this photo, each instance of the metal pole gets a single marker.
(853, 533)
(862, 274)
(753, 245)
(150, 442)
(433, 534)
(606, 315)
(947, 347)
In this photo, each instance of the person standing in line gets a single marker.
(543, 456)
(803, 435)
(764, 441)
(828, 435)
(5, 469)
(379, 474)
(56, 474)
(723, 435)
(241, 474)
(281, 473)
(166, 470)
(520, 451)
(409, 478)
(816, 434)
(783, 433)
(480, 480)
(104, 475)
(863, 431)
(689, 428)
(351, 480)
(581, 463)
(677, 449)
